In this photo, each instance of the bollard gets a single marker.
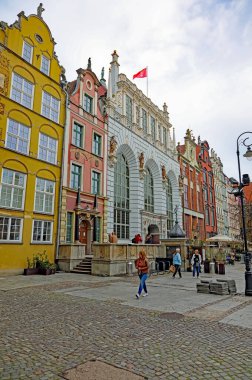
(212, 268)
(130, 268)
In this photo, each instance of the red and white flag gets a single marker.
(141, 74)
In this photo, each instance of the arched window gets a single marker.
(148, 192)
(169, 205)
(121, 198)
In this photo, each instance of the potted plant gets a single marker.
(44, 265)
(31, 267)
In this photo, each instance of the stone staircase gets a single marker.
(84, 267)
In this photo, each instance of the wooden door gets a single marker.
(83, 232)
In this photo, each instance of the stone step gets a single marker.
(80, 271)
(84, 266)
(85, 262)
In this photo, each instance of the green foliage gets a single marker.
(30, 263)
(41, 261)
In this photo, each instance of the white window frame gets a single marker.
(56, 150)
(42, 224)
(22, 90)
(41, 66)
(27, 43)
(9, 230)
(50, 107)
(93, 144)
(13, 187)
(44, 193)
(18, 136)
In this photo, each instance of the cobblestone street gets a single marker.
(52, 326)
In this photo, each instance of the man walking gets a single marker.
(196, 262)
(177, 262)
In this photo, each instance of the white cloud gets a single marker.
(198, 53)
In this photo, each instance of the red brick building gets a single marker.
(84, 177)
(191, 191)
(208, 188)
(248, 210)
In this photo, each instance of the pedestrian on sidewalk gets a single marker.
(142, 266)
(177, 262)
(196, 262)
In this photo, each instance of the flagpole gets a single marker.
(147, 80)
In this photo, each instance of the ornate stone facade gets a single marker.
(144, 143)
(220, 195)
(191, 186)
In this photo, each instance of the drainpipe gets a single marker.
(62, 170)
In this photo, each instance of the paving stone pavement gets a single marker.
(49, 325)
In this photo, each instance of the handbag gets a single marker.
(172, 268)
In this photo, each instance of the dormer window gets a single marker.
(27, 52)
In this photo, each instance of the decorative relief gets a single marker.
(2, 78)
(77, 155)
(4, 74)
(137, 116)
(89, 84)
(2, 106)
(118, 99)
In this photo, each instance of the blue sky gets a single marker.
(199, 55)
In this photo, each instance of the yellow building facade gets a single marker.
(32, 117)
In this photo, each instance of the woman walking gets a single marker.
(142, 265)
(177, 262)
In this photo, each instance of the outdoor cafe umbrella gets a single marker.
(222, 239)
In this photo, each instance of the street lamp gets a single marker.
(248, 154)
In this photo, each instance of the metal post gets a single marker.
(77, 228)
(248, 273)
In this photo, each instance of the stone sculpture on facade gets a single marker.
(164, 177)
(40, 9)
(89, 64)
(112, 151)
(141, 165)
